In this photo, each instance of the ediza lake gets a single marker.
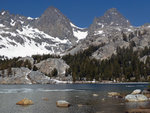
(83, 98)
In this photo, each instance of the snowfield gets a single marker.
(79, 33)
(30, 41)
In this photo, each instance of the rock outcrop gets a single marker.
(47, 66)
(62, 103)
(37, 77)
(24, 102)
(24, 76)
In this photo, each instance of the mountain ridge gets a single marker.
(54, 33)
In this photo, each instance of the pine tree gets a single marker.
(54, 72)
(35, 68)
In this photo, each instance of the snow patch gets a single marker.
(80, 34)
(111, 23)
(99, 32)
(1, 25)
(30, 18)
(3, 13)
(100, 24)
(12, 23)
(22, 22)
(72, 25)
(28, 49)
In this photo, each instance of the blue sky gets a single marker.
(82, 12)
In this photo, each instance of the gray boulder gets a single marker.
(18, 76)
(136, 98)
(37, 77)
(46, 66)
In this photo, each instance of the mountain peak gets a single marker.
(54, 23)
(112, 12)
(52, 9)
(114, 18)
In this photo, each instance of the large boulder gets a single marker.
(38, 78)
(24, 101)
(62, 103)
(136, 98)
(47, 66)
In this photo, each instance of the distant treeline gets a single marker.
(125, 65)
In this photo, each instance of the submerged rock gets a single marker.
(62, 103)
(136, 98)
(80, 105)
(45, 99)
(114, 94)
(95, 95)
(137, 91)
(24, 101)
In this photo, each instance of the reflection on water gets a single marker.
(76, 94)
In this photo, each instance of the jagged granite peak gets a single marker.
(111, 18)
(54, 23)
(114, 18)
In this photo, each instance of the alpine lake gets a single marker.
(80, 96)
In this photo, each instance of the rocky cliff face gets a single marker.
(111, 18)
(54, 23)
(47, 66)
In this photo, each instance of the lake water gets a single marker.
(73, 93)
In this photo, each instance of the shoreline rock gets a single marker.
(62, 103)
(136, 98)
(25, 102)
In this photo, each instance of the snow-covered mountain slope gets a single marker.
(54, 33)
(79, 33)
(27, 42)
(24, 36)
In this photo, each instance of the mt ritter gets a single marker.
(54, 33)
